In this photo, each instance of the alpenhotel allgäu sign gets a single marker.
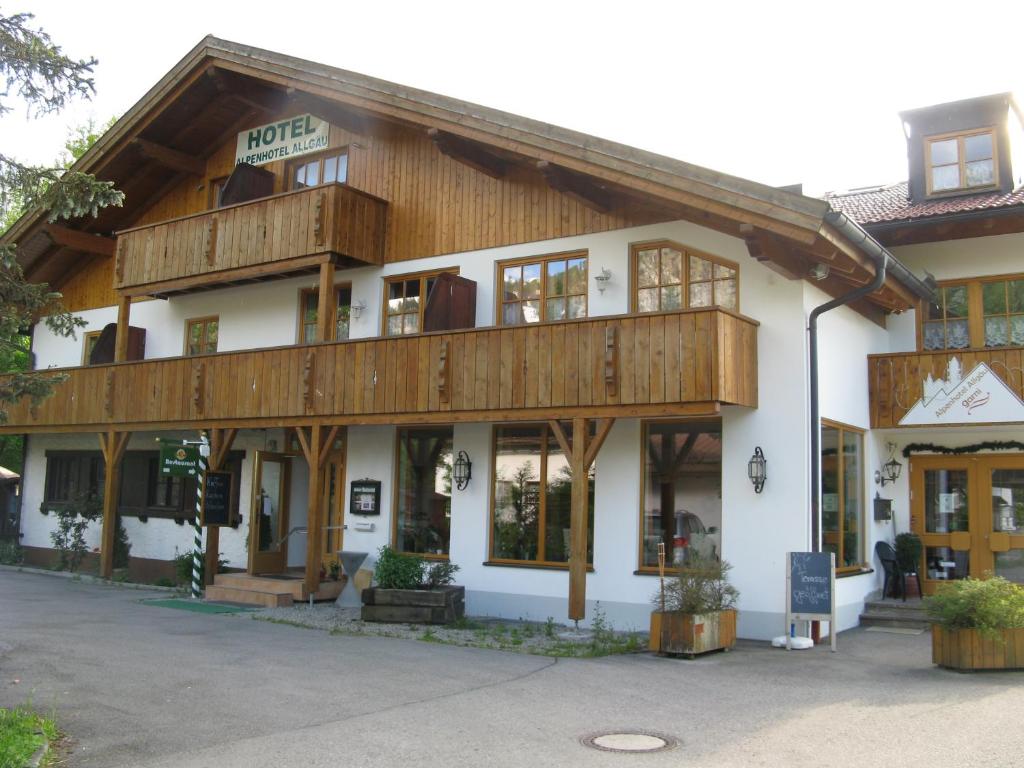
(281, 140)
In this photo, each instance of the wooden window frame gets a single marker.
(960, 136)
(862, 555)
(315, 290)
(395, 481)
(205, 320)
(542, 512)
(291, 165)
(687, 251)
(697, 421)
(86, 338)
(211, 186)
(975, 312)
(542, 260)
(422, 276)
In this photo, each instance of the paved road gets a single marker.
(136, 685)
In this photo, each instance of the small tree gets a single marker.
(72, 521)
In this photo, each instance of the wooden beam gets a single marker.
(112, 445)
(576, 186)
(343, 117)
(314, 507)
(770, 251)
(328, 442)
(578, 522)
(220, 444)
(124, 308)
(469, 153)
(95, 245)
(171, 158)
(604, 426)
(559, 433)
(327, 304)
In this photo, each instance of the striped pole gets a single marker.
(197, 548)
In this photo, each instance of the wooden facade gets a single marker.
(896, 381)
(661, 364)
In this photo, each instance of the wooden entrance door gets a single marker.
(333, 537)
(969, 513)
(268, 517)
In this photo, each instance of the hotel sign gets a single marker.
(977, 397)
(281, 140)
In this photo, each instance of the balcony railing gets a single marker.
(289, 232)
(623, 365)
(896, 382)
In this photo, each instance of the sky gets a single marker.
(778, 92)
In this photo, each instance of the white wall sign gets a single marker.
(287, 138)
(979, 397)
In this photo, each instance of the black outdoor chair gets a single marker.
(894, 575)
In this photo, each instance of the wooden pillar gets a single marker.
(578, 523)
(124, 309)
(112, 445)
(327, 306)
(311, 446)
(220, 444)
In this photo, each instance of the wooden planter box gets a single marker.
(970, 649)
(414, 606)
(689, 634)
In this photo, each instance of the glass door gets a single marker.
(1002, 481)
(268, 518)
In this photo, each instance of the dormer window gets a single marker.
(963, 161)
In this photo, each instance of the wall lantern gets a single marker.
(356, 310)
(890, 471)
(462, 471)
(757, 469)
(602, 279)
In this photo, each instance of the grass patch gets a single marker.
(22, 732)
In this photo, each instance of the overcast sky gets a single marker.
(778, 92)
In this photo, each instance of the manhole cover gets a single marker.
(629, 741)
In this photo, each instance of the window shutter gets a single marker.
(451, 304)
(246, 182)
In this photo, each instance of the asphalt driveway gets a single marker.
(135, 685)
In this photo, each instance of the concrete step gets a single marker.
(910, 610)
(867, 620)
(222, 594)
(243, 581)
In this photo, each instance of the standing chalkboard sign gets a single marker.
(811, 590)
(217, 491)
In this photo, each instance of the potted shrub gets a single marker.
(979, 624)
(908, 557)
(696, 610)
(409, 591)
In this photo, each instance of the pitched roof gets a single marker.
(891, 203)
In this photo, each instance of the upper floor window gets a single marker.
(309, 301)
(201, 335)
(946, 324)
(405, 299)
(960, 161)
(320, 169)
(1003, 305)
(667, 276)
(984, 312)
(544, 288)
(89, 344)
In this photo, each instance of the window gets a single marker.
(543, 289)
(667, 276)
(71, 473)
(423, 499)
(201, 335)
(979, 313)
(405, 299)
(842, 502)
(309, 302)
(682, 488)
(216, 186)
(328, 168)
(963, 161)
(532, 498)
(89, 344)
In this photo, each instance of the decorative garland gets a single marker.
(988, 445)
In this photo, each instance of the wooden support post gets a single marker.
(112, 445)
(313, 447)
(124, 310)
(220, 444)
(327, 304)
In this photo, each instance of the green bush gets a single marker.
(398, 571)
(11, 553)
(988, 605)
(72, 521)
(183, 566)
(440, 574)
(908, 552)
(702, 586)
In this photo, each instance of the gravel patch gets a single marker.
(540, 638)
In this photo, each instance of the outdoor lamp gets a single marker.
(462, 471)
(356, 310)
(757, 469)
(890, 472)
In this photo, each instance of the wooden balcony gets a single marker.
(653, 365)
(896, 381)
(280, 235)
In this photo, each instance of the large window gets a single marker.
(960, 161)
(682, 491)
(532, 498)
(405, 299)
(327, 168)
(668, 276)
(545, 288)
(984, 312)
(201, 335)
(423, 501)
(309, 303)
(842, 499)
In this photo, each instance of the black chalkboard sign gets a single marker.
(810, 583)
(217, 489)
(364, 498)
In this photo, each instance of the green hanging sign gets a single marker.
(179, 460)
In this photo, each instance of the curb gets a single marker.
(86, 578)
(39, 755)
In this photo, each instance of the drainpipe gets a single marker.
(882, 258)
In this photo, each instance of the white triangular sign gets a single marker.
(979, 397)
